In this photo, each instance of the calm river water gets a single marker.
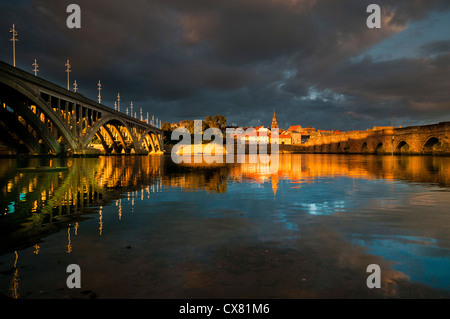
(144, 227)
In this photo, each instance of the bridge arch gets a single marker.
(364, 148)
(108, 140)
(21, 99)
(118, 132)
(432, 145)
(148, 144)
(379, 148)
(151, 139)
(402, 147)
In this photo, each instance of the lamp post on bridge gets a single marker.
(118, 102)
(99, 92)
(75, 86)
(14, 40)
(68, 71)
(35, 70)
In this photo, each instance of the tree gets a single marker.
(166, 126)
(190, 127)
(218, 121)
(221, 121)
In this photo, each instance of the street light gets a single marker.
(99, 92)
(35, 70)
(68, 71)
(14, 39)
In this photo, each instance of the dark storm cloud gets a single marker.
(402, 88)
(243, 59)
(436, 47)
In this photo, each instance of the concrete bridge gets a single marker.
(414, 140)
(38, 117)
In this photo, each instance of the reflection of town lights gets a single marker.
(34, 207)
(15, 280)
(100, 219)
(69, 245)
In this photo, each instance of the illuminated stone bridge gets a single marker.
(38, 117)
(431, 139)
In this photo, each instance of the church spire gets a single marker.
(274, 121)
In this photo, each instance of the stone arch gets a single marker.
(402, 148)
(432, 145)
(364, 148)
(379, 149)
(338, 147)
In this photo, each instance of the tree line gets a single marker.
(216, 121)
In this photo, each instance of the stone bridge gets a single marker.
(38, 117)
(414, 140)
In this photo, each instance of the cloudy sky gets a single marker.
(314, 62)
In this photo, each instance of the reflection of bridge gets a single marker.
(39, 117)
(34, 204)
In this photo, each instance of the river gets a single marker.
(144, 227)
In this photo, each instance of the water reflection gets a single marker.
(307, 168)
(38, 202)
(329, 215)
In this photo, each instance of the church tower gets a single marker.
(274, 121)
